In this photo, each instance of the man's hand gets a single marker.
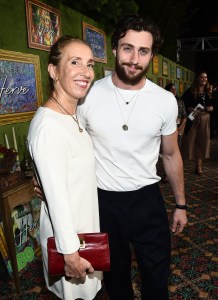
(76, 266)
(37, 188)
(179, 221)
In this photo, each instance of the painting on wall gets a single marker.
(155, 65)
(172, 71)
(96, 38)
(43, 25)
(183, 74)
(165, 68)
(20, 86)
(160, 81)
(107, 71)
(178, 73)
(180, 87)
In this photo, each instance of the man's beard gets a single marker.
(127, 78)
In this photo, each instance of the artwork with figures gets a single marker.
(43, 25)
(25, 220)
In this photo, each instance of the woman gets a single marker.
(63, 154)
(181, 120)
(182, 115)
(196, 140)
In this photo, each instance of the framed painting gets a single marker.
(183, 74)
(178, 75)
(172, 71)
(43, 25)
(96, 38)
(180, 87)
(164, 68)
(160, 81)
(20, 86)
(107, 71)
(155, 65)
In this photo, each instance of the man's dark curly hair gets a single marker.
(136, 23)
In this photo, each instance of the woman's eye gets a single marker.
(74, 62)
(90, 66)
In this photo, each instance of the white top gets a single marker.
(65, 162)
(126, 160)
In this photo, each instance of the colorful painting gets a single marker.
(155, 65)
(165, 68)
(20, 86)
(96, 38)
(178, 73)
(43, 25)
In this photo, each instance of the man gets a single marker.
(127, 117)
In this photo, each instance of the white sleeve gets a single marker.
(170, 125)
(49, 151)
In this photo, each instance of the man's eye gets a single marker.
(144, 51)
(127, 49)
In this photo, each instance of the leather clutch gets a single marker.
(94, 247)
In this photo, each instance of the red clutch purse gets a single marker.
(94, 247)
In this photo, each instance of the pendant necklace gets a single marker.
(62, 108)
(130, 100)
(136, 96)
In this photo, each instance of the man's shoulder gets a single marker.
(101, 82)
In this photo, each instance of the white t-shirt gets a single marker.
(126, 160)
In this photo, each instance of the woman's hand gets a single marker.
(76, 266)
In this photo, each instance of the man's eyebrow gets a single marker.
(132, 46)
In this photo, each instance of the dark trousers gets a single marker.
(140, 218)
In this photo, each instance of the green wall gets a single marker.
(13, 37)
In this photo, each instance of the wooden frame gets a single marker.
(165, 68)
(96, 38)
(155, 65)
(20, 86)
(43, 25)
(107, 71)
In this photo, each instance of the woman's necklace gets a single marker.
(62, 108)
(125, 126)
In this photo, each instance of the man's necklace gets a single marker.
(125, 126)
(126, 101)
(62, 108)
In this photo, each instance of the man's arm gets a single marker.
(173, 166)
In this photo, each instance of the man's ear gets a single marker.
(114, 52)
(52, 71)
(152, 55)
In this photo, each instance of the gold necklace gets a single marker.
(131, 99)
(125, 126)
(62, 108)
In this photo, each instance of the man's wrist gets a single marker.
(182, 206)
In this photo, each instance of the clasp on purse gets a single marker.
(82, 243)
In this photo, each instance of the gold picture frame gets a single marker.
(43, 25)
(20, 86)
(96, 38)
